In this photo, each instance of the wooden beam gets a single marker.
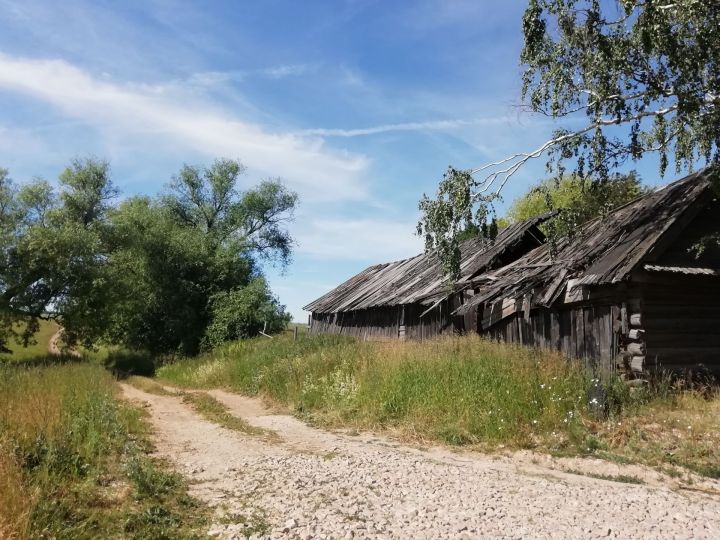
(497, 311)
(636, 333)
(637, 364)
(636, 348)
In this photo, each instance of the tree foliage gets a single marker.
(639, 77)
(650, 68)
(243, 312)
(146, 273)
(577, 200)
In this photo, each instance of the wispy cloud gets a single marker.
(290, 70)
(153, 114)
(433, 125)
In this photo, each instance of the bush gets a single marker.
(243, 313)
(126, 363)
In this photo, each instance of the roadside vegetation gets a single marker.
(74, 461)
(36, 347)
(466, 391)
(77, 254)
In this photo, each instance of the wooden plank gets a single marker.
(624, 320)
(555, 334)
(605, 331)
(680, 353)
(685, 340)
(579, 333)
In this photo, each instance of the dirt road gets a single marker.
(315, 484)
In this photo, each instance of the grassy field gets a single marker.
(74, 463)
(37, 349)
(464, 391)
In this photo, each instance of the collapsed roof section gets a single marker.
(605, 251)
(420, 279)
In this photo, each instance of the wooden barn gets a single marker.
(629, 291)
(410, 298)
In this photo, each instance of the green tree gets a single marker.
(148, 273)
(244, 312)
(208, 199)
(53, 244)
(642, 77)
(578, 200)
(177, 260)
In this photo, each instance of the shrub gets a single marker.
(124, 363)
(243, 313)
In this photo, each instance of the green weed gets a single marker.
(73, 463)
(216, 412)
(466, 391)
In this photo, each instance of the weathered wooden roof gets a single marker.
(420, 279)
(605, 250)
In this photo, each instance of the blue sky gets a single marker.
(358, 105)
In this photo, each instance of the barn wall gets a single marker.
(582, 332)
(665, 322)
(681, 323)
(390, 322)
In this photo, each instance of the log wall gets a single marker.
(681, 323)
(385, 323)
(581, 332)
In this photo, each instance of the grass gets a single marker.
(37, 348)
(460, 391)
(214, 411)
(622, 478)
(680, 428)
(148, 385)
(74, 462)
(465, 391)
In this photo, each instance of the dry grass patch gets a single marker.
(15, 501)
(682, 429)
(74, 462)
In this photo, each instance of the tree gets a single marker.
(578, 200)
(149, 273)
(244, 312)
(208, 199)
(179, 261)
(644, 76)
(52, 245)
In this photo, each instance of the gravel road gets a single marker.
(316, 484)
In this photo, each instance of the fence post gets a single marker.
(296, 333)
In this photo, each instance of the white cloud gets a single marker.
(405, 126)
(162, 114)
(290, 70)
(369, 240)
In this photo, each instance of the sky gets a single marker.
(357, 105)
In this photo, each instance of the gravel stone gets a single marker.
(374, 488)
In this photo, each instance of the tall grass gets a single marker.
(461, 390)
(467, 391)
(67, 452)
